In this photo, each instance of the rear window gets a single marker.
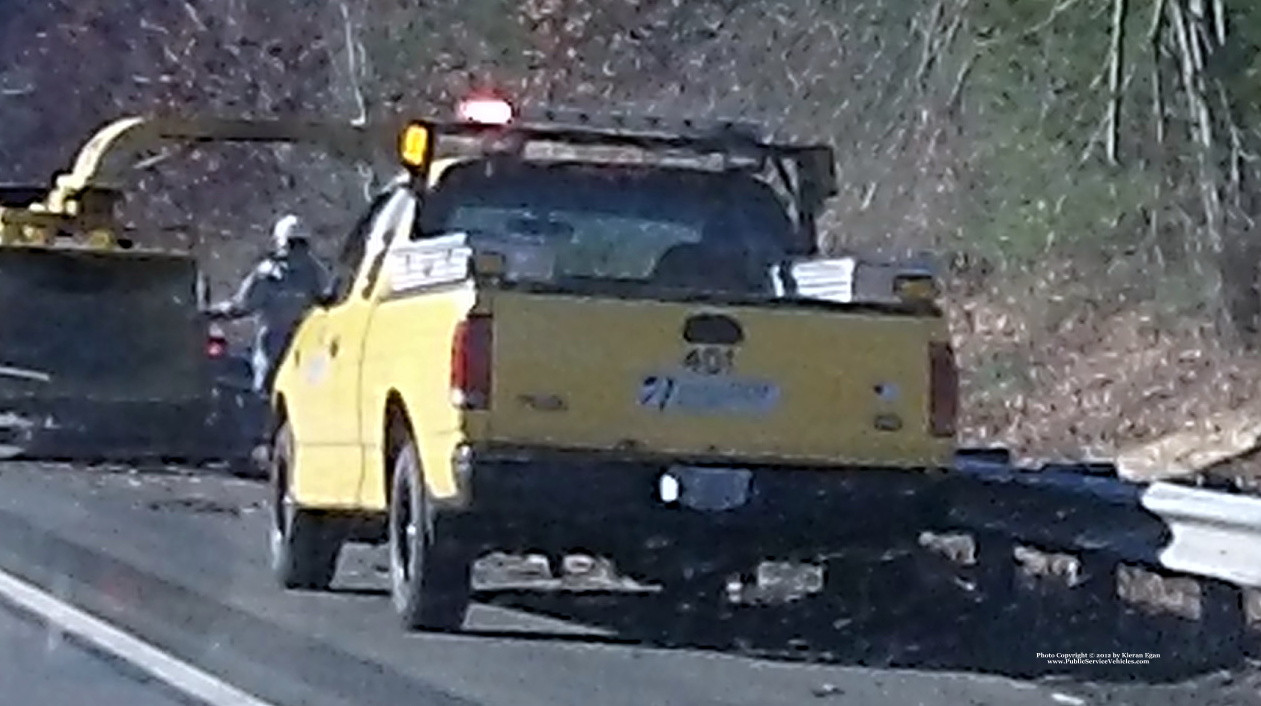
(613, 222)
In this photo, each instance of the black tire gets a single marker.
(430, 580)
(254, 466)
(246, 469)
(304, 544)
(994, 626)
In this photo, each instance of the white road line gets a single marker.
(39, 375)
(181, 675)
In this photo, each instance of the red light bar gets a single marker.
(485, 111)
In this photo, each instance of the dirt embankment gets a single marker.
(1059, 376)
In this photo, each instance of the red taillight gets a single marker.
(471, 363)
(216, 347)
(943, 398)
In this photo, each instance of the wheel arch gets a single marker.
(398, 426)
(279, 414)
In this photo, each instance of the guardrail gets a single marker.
(1056, 507)
(1088, 508)
(1213, 533)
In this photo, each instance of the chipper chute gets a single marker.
(102, 344)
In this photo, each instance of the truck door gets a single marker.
(312, 352)
(346, 328)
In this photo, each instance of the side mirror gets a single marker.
(326, 298)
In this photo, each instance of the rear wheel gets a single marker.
(304, 544)
(254, 466)
(429, 572)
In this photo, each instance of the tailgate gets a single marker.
(769, 383)
(99, 325)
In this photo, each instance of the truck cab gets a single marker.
(538, 336)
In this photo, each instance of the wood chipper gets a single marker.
(103, 344)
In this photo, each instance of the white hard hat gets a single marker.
(289, 228)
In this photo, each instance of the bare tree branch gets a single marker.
(1114, 79)
(956, 93)
(929, 52)
(354, 51)
(355, 56)
(1056, 11)
(194, 15)
(1158, 102)
(1190, 74)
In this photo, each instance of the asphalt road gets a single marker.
(179, 561)
(39, 665)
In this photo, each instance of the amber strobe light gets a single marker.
(414, 145)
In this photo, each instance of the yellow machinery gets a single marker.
(79, 206)
(102, 344)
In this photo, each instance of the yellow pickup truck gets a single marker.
(570, 332)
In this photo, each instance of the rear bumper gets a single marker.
(588, 501)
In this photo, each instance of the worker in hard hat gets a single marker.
(279, 291)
